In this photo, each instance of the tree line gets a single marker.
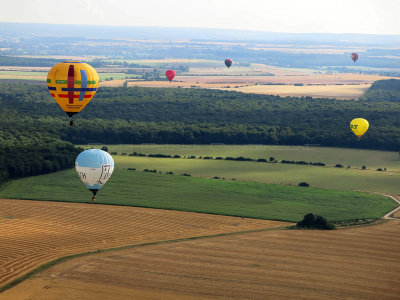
(35, 158)
(383, 90)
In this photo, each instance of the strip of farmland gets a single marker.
(357, 263)
(33, 232)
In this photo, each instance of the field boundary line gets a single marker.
(388, 215)
(60, 260)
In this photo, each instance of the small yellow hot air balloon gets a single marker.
(359, 126)
(72, 84)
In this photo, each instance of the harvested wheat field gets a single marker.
(339, 78)
(341, 92)
(338, 86)
(357, 263)
(35, 232)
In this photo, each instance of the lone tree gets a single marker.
(312, 221)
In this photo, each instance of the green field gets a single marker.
(356, 158)
(353, 178)
(226, 197)
(284, 174)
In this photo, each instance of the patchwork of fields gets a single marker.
(255, 78)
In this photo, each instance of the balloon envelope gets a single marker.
(72, 84)
(94, 168)
(359, 126)
(354, 56)
(228, 62)
(170, 74)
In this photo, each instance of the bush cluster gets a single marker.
(311, 221)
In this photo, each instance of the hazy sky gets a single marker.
(340, 16)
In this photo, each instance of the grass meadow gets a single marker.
(356, 158)
(283, 174)
(225, 197)
(353, 178)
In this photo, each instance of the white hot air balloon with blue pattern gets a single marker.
(94, 168)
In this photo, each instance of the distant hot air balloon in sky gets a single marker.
(228, 62)
(354, 56)
(72, 84)
(94, 168)
(170, 74)
(359, 126)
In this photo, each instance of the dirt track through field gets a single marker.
(35, 232)
(357, 263)
(396, 214)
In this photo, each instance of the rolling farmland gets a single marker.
(342, 86)
(357, 263)
(200, 226)
(34, 232)
(255, 78)
(211, 221)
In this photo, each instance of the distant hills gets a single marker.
(379, 54)
(190, 34)
(384, 90)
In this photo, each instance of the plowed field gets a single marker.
(357, 263)
(34, 232)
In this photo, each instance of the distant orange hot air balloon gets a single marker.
(354, 56)
(228, 62)
(170, 74)
(72, 84)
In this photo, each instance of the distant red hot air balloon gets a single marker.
(228, 62)
(354, 56)
(170, 74)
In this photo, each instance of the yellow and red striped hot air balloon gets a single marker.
(72, 84)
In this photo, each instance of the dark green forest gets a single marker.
(158, 115)
(35, 137)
